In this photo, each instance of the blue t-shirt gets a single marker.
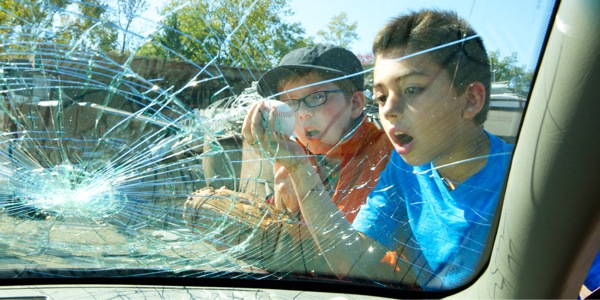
(592, 281)
(443, 232)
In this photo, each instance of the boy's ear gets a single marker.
(474, 100)
(357, 102)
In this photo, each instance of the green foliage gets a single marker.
(93, 30)
(27, 21)
(339, 32)
(26, 13)
(128, 11)
(239, 33)
(168, 40)
(30, 23)
(507, 69)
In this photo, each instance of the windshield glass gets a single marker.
(135, 139)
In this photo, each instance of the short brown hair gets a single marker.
(464, 58)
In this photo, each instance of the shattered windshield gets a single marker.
(135, 139)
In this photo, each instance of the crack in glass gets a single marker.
(104, 152)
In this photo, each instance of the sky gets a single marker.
(505, 25)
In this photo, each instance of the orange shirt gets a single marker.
(363, 156)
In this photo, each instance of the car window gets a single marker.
(123, 152)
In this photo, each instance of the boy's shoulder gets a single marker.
(499, 142)
(498, 159)
(499, 149)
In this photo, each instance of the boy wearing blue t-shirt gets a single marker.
(435, 201)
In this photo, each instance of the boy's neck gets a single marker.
(474, 157)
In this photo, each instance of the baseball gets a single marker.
(285, 118)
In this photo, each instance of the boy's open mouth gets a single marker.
(311, 133)
(403, 138)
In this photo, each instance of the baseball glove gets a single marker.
(208, 208)
(253, 231)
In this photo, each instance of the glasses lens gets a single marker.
(315, 99)
(294, 104)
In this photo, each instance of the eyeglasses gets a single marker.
(311, 100)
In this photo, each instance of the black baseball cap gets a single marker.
(327, 58)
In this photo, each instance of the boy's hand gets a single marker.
(285, 195)
(258, 133)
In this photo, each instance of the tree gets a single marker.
(30, 25)
(167, 41)
(129, 10)
(339, 32)
(24, 23)
(507, 69)
(24, 15)
(242, 33)
(92, 30)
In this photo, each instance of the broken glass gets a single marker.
(117, 117)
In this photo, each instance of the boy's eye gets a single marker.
(412, 90)
(381, 99)
(315, 98)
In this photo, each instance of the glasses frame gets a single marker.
(296, 107)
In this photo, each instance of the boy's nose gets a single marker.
(392, 108)
(304, 112)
